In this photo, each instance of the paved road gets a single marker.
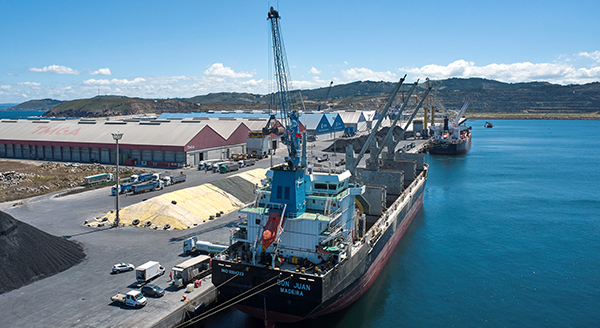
(80, 296)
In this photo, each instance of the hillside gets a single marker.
(40, 104)
(486, 96)
(101, 106)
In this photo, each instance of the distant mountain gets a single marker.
(485, 96)
(40, 104)
(101, 106)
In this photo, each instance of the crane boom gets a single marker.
(326, 96)
(461, 112)
(352, 166)
(290, 118)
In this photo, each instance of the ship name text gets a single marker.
(296, 289)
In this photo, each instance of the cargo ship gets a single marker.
(313, 242)
(452, 137)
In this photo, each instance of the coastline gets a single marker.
(534, 116)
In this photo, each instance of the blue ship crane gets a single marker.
(290, 118)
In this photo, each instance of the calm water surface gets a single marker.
(20, 113)
(509, 236)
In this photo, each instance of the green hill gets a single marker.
(101, 106)
(40, 104)
(485, 96)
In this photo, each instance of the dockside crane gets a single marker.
(326, 97)
(290, 118)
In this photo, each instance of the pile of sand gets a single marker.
(28, 254)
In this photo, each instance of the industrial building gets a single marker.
(158, 143)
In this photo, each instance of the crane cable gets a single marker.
(232, 301)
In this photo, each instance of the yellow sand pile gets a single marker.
(182, 209)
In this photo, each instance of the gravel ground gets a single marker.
(25, 178)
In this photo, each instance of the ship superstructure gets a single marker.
(451, 137)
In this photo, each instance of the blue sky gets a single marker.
(158, 49)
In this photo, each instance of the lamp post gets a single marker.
(117, 136)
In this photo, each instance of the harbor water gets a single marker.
(20, 113)
(508, 237)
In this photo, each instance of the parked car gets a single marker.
(122, 267)
(323, 158)
(152, 290)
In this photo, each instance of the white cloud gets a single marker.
(115, 82)
(218, 70)
(29, 84)
(364, 74)
(593, 55)
(557, 72)
(314, 71)
(577, 68)
(252, 82)
(55, 69)
(101, 71)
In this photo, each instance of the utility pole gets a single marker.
(117, 136)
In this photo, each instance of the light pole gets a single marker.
(117, 136)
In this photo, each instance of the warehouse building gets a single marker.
(158, 143)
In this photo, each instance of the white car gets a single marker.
(122, 267)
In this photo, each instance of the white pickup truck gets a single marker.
(133, 298)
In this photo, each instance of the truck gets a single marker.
(228, 167)
(195, 268)
(193, 245)
(257, 144)
(124, 188)
(141, 177)
(133, 298)
(169, 180)
(147, 186)
(207, 165)
(247, 162)
(217, 165)
(148, 271)
(238, 157)
(98, 178)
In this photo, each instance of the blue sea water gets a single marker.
(20, 113)
(509, 236)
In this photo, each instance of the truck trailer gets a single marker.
(194, 268)
(98, 178)
(228, 167)
(148, 271)
(147, 186)
(193, 245)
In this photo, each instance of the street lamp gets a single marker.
(117, 136)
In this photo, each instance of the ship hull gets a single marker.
(442, 148)
(305, 296)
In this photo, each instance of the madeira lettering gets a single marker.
(296, 290)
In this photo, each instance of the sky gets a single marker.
(178, 49)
